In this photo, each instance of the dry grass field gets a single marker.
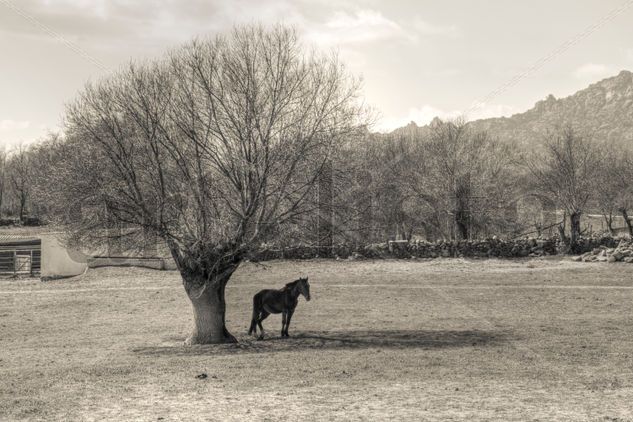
(381, 340)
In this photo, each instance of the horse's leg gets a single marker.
(283, 322)
(262, 316)
(257, 308)
(290, 312)
(253, 327)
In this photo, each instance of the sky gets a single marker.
(418, 59)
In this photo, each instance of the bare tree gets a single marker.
(566, 169)
(387, 157)
(212, 149)
(461, 174)
(19, 171)
(619, 191)
(43, 159)
(612, 184)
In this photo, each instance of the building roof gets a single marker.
(18, 240)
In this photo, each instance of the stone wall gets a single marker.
(488, 248)
(623, 252)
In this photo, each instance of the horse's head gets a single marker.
(304, 287)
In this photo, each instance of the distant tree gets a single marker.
(213, 150)
(385, 160)
(612, 187)
(463, 174)
(566, 168)
(621, 174)
(3, 177)
(19, 170)
(43, 157)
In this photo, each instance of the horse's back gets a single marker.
(266, 293)
(271, 300)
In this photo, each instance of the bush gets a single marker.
(9, 222)
(32, 221)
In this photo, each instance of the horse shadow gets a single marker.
(328, 340)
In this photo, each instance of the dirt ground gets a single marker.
(400, 340)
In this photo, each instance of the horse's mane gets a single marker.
(291, 284)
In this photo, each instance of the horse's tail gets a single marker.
(255, 317)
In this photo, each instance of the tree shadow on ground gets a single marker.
(324, 340)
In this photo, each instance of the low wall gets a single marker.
(154, 263)
(58, 261)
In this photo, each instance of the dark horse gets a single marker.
(282, 301)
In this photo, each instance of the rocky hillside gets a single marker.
(604, 111)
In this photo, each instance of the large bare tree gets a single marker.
(212, 149)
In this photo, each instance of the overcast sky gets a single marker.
(418, 58)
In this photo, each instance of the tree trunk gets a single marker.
(325, 210)
(627, 220)
(539, 229)
(574, 230)
(365, 222)
(205, 274)
(608, 219)
(22, 206)
(209, 309)
(462, 207)
(461, 220)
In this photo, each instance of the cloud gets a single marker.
(592, 71)
(119, 23)
(360, 26)
(425, 114)
(12, 125)
(423, 27)
(164, 23)
(362, 19)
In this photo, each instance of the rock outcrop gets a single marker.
(604, 111)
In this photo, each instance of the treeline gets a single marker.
(449, 183)
(454, 182)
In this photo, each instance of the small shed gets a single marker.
(20, 255)
(39, 255)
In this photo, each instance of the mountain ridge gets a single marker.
(603, 111)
